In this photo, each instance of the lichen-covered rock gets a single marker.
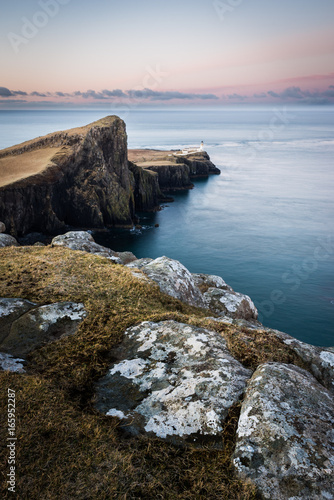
(319, 360)
(140, 263)
(10, 310)
(82, 240)
(7, 241)
(10, 364)
(2, 227)
(173, 279)
(229, 303)
(285, 438)
(42, 325)
(173, 381)
(206, 281)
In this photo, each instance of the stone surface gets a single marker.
(82, 240)
(319, 360)
(173, 279)
(173, 381)
(285, 437)
(2, 227)
(42, 325)
(10, 310)
(229, 303)
(7, 241)
(206, 281)
(8, 363)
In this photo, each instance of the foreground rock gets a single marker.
(7, 241)
(82, 240)
(10, 310)
(318, 360)
(222, 300)
(173, 279)
(199, 290)
(285, 438)
(41, 325)
(173, 381)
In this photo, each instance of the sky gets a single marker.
(158, 52)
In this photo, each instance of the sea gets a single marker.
(266, 224)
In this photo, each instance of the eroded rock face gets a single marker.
(173, 278)
(7, 241)
(82, 240)
(173, 381)
(10, 310)
(285, 437)
(42, 325)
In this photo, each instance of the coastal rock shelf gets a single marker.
(82, 178)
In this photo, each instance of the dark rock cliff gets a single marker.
(87, 183)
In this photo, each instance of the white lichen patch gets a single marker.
(328, 358)
(51, 313)
(181, 380)
(130, 368)
(10, 306)
(11, 364)
(115, 413)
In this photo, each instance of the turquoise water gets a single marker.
(265, 224)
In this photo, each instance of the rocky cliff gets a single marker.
(83, 180)
(175, 170)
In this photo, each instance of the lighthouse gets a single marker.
(201, 146)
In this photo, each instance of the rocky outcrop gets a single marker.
(38, 326)
(2, 227)
(199, 290)
(174, 171)
(7, 241)
(173, 278)
(199, 164)
(285, 440)
(318, 360)
(85, 183)
(173, 381)
(83, 241)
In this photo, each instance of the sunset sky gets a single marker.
(159, 52)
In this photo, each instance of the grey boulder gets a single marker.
(7, 241)
(285, 437)
(319, 360)
(173, 381)
(82, 240)
(173, 279)
(41, 325)
(2, 227)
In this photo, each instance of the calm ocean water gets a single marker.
(266, 224)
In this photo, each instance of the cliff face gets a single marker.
(86, 183)
(175, 170)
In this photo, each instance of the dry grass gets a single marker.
(16, 167)
(68, 450)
